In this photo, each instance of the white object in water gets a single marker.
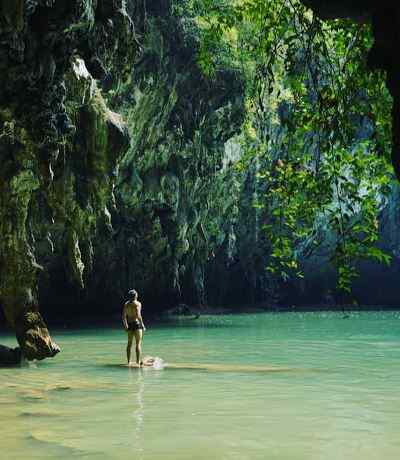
(154, 362)
(158, 363)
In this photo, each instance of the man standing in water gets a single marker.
(133, 324)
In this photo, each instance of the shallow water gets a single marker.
(336, 396)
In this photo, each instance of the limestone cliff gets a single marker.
(58, 144)
(89, 204)
(172, 190)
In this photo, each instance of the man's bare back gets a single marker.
(133, 324)
(133, 310)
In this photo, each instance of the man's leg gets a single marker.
(129, 346)
(138, 338)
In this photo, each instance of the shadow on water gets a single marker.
(56, 449)
(10, 357)
(206, 367)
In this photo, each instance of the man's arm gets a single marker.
(139, 315)
(124, 318)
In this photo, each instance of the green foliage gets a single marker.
(317, 124)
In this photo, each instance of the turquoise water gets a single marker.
(336, 395)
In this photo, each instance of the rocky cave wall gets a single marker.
(184, 228)
(175, 199)
(59, 145)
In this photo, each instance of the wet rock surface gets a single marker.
(59, 144)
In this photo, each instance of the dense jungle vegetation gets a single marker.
(317, 129)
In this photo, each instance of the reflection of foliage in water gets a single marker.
(316, 126)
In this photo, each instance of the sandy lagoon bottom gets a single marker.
(336, 395)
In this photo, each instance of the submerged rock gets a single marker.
(32, 395)
(40, 414)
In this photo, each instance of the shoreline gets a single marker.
(88, 322)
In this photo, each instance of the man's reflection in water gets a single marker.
(138, 383)
(151, 370)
